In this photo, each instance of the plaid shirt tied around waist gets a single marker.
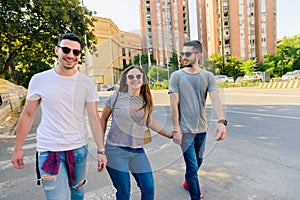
(51, 164)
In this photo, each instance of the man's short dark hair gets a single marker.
(195, 44)
(69, 36)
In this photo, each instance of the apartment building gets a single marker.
(242, 28)
(165, 25)
(115, 49)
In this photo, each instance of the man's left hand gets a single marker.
(102, 161)
(220, 132)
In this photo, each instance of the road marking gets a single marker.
(27, 146)
(264, 115)
(7, 163)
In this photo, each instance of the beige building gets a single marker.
(115, 49)
(242, 28)
(165, 25)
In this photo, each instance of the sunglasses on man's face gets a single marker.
(187, 54)
(138, 76)
(67, 50)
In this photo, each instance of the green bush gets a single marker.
(23, 101)
(248, 83)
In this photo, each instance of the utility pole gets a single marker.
(222, 31)
(85, 49)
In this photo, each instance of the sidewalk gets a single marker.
(7, 127)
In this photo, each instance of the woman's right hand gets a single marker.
(177, 136)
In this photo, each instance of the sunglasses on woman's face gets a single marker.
(138, 76)
(67, 50)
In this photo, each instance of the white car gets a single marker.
(254, 76)
(230, 79)
(221, 78)
(297, 74)
(289, 76)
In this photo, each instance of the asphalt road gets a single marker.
(259, 160)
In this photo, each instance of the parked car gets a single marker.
(221, 78)
(297, 74)
(254, 76)
(230, 79)
(289, 76)
(113, 87)
(239, 79)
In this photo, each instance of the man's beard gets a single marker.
(191, 62)
(189, 65)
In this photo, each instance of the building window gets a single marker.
(123, 52)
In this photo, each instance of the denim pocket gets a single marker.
(81, 153)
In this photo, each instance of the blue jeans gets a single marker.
(57, 186)
(125, 160)
(193, 147)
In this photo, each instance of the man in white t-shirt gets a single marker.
(64, 95)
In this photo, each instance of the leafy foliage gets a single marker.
(287, 59)
(159, 74)
(174, 61)
(143, 61)
(29, 30)
(288, 52)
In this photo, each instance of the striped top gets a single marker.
(128, 125)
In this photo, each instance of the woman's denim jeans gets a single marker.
(57, 186)
(193, 147)
(121, 161)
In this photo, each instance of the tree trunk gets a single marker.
(8, 64)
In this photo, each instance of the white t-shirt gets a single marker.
(63, 99)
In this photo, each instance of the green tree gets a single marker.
(29, 30)
(140, 59)
(248, 66)
(271, 64)
(215, 63)
(233, 67)
(288, 51)
(143, 60)
(174, 62)
(158, 74)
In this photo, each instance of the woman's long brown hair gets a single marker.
(144, 92)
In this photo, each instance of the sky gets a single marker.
(125, 14)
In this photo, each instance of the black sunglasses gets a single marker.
(67, 50)
(187, 54)
(138, 76)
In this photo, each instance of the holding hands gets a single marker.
(177, 136)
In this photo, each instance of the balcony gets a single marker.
(226, 18)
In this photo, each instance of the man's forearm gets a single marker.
(174, 115)
(22, 130)
(217, 105)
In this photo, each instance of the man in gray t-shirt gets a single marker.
(188, 90)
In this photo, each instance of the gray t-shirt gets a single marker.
(192, 91)
(128, 125)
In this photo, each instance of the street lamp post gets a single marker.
(85, 49)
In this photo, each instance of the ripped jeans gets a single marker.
(57, 186)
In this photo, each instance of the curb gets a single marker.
(275, 85)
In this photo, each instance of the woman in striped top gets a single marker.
(131, 108)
